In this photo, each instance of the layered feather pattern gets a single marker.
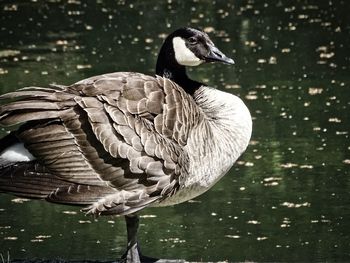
(114, 142)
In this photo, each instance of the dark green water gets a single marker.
(287, 199)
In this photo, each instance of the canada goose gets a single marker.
(120, 142)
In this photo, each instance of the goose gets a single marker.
(120, 142)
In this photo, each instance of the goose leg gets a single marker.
(132, 253)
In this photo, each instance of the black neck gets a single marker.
(168, 67)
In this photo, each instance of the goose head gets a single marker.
(187, 47)
(193, 47)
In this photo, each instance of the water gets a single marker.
(287, 199)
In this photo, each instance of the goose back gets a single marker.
(114, 141)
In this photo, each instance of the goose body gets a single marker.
(119, 142)
(215, 143)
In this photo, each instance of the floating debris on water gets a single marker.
(36, 240)
(84, 66)
(11, 238)
(43, 236)
(233, 236)
(336, 120)
(148, 216)
(232, 86)
(173, 240)
(69, 212)
(286, 222)
(20, 200)
(84, 222)
(271, 181)
(9, 53)
(3, 71)
(315, 91)
(253, 222)
(294, 205)
(288, 165)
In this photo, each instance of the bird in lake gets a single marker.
(120, 142)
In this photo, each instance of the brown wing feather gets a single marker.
(115, 140)
(28, 180)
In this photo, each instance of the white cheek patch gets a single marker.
(183, 55)
(17, 153)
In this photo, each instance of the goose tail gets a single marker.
(20, 174)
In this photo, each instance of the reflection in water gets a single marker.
(287, 197)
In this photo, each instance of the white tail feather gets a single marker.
(17, 153)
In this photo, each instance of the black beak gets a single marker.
(215, 55)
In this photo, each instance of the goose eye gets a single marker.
(192, 40)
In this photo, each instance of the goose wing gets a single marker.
(118, 139)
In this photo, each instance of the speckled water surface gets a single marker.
(287, 198)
